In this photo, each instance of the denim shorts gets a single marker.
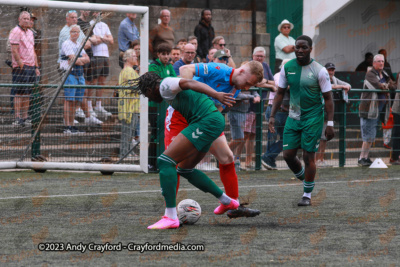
(236, 122)
(368, 129)
(25, 75)
(74, 94)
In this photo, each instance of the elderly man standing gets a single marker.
(370, 106)
(189, 52)
(259, 55)
(25, 65)
(284, 44)
(127, 33)
(204, 33)
(162, 33)
(73, 95)
(72, 19)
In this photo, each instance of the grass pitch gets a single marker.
(354, 220)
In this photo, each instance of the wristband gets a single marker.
(329, 123)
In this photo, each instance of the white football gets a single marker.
(189, 211)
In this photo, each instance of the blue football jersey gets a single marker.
(218, 76)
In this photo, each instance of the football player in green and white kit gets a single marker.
(310, 88)
(206, 123)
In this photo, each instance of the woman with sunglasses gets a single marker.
(284, 44)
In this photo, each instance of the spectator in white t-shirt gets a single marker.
(68, 51)
(101, 39)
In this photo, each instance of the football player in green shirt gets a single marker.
(310, 87)
(206, 123)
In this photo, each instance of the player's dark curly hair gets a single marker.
(146, 81)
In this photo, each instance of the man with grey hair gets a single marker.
(370, 107)
(162, 33)
(259, 54)
(71, 18)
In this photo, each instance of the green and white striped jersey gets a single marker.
(307, 83)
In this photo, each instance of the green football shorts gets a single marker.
(303, 134)
(203, 132)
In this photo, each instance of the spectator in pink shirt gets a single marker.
(24, 64)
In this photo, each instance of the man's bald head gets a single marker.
(189, 52)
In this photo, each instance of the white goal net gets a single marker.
(61, 105)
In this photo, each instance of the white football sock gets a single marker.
(171, 213)
(307, 195)
(98, 104)
(225, 200)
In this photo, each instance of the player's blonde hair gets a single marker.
(256, 69)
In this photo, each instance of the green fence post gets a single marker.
(342, 132)
(259, 113)
(35, 108)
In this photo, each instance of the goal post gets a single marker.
(64, 7)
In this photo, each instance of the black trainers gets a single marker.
(305, 201)
(243, 211)
(364, 162)
(75, 130)
(269, 164)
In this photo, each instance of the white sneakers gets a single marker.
(93, 121)
(79, 113)
(102, 112)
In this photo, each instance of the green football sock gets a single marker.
(308, 186)
(168, 179)
(201, 181)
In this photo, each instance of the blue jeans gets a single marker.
(275, 146)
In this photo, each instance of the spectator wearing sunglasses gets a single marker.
(219, 44)
(284, 44)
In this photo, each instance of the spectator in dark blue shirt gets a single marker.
(189, 52)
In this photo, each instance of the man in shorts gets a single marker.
(73, 95)
(309, 88)
(100, 63)
(205, 124)
(25, 66)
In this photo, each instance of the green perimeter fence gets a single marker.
(104, 142)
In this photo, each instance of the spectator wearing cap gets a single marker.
(188, 55)
(372, 104)
(284, 44)
(337, 96)
(204, 32)
(220, 44)
(162, 33)
(221, 57)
